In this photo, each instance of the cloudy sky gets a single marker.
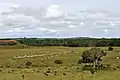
(59, 18)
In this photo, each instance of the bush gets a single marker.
(35, 65)
(110, 48)
(80, 61)
(78, 68)
(48, 71)
(19, 66)
(58, 62)
(64, 74)
(92, 71)
(28, 63)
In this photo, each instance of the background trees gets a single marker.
(70, 42)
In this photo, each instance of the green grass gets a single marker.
(9, 67)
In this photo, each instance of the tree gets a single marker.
(70, 42)
(93, 55)
(92, 43)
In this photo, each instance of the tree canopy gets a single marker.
(69, 42)
(92, 55)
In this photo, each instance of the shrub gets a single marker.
(28, 63)
(92, 71)
(64, 74)
(55, 71)
(48, 71)
(65, 68)
(45, 74)
(0, 70)
(19, 67)
(23, 76)
(58, 62)
(110, 48)
(72, 51)
(79, 61)
(35, 65)
(1, 66)
(118, 67)
(78, 68)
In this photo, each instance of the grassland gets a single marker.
(16, 69)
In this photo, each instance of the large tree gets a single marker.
(93, 55)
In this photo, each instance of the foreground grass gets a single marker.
(11, 69)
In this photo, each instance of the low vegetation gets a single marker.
(110, 48)
(60, 63)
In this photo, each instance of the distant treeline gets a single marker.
(70, 42)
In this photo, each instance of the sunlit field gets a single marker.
(13, 64)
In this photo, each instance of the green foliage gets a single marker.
(28, 63)
(58, 62)
(79, 61)
(70, 42)
(70, 66)
(110, 48)
(92, 55)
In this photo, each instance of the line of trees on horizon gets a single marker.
(70, 42)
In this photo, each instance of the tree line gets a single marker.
(70, 42)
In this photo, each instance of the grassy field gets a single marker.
(43, 60)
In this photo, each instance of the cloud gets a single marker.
(72, 26)
(12, 23)
(53, 11)
(53, 21)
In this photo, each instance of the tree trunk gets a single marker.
(95, 63)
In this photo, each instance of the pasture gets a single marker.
(13, 64)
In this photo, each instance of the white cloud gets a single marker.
(20, 24)
(112, 24)
(72, 26)
(52, 21)
(15, 6)
(106, 30)
(53, 11)
(81, 24)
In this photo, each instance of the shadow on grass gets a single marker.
(104, 67)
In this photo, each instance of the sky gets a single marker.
(59, 18)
